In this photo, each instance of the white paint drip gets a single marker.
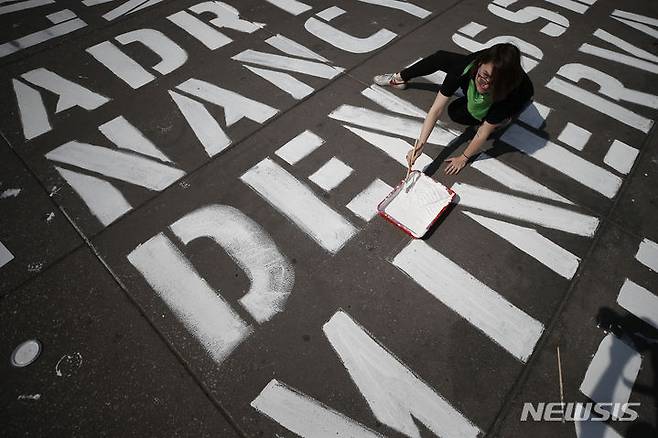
(394, 393)
(41, 36)
(512, 178)
(639, 301)
(611, 373)
(5, 255)
(331, 174)
(10, 193)
(535, 115)
(526, 210)
(291, 85)
(68, 364)
(305, 66)
(621, 157)
(123, 134)
(297, 202)
(21, 6)
(290, 47)
(563, 160)
(345, 41)
(486, 309)
(293, 7)
(401, 126)
(404, 6)
(35, 267)
(600, 104)
(271, 275)
(528, 240)
(364, 205)
(205, 127)
(299, 147)
(34, 117)
(647, 254)
(125, 166)
(417, 203)
(574, 136)
(207, 35)
(103, 199)
(391, 102)
(235, 105)
(305, 416)
(120, 64)
(203, 312)
(394, 147)
(35, 397)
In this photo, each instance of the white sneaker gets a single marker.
(390, 80)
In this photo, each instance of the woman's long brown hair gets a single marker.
(507, 72)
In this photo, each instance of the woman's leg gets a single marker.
(440, 60)
(458, 112)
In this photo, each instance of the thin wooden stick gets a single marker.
(559, 368)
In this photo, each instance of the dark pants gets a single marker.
(440, 60)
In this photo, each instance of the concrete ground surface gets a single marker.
(188, 195)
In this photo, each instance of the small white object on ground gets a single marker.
(26, 353)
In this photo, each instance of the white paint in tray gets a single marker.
(417, 203)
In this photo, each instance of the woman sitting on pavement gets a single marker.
(495, 87)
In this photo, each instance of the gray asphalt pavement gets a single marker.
(188, 196)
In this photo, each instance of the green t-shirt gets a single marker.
(478, 104)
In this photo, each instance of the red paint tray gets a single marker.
(416, 204)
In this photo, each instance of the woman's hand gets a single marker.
(455, 164)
